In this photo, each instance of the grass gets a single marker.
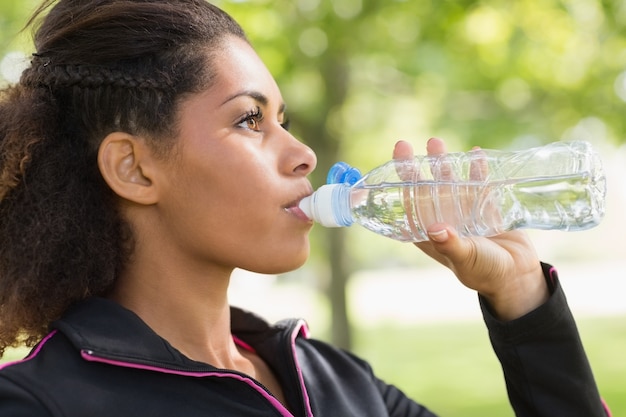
(452, 369)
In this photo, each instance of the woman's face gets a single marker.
(231, 190)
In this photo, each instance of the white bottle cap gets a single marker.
(319, 205)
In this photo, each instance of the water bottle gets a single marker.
(482, 192)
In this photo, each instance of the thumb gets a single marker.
(446, 241)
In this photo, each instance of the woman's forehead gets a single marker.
(239, 71)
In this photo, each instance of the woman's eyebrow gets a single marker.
(255, 95)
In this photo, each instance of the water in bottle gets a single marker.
(480, 193)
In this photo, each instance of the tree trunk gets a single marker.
(341, 334)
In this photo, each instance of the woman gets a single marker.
(145, 155)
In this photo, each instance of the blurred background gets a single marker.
(360, 74)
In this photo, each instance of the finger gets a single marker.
(442, 193)
(436, 146)
(403, 150)
(441, 167)
(479, 165)
(480, 172)
(405, 167)
(443, 245)
(408, 171)
(457, 251)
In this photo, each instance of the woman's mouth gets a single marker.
(294, 209)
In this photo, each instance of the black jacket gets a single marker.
(102, 360)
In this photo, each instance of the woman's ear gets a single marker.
(126, 164)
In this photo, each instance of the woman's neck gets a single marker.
(187, 308)
(190, 310)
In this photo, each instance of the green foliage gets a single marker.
(14, 42)
(492, 73)
(360, 74)
(13, 16)
(451, 368)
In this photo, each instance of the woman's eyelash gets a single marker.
(256, 116)
(255, 113)
(252, 119)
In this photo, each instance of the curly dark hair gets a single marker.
(101, 66)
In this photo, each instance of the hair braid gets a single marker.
(56, 76)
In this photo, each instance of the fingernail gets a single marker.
(439, 236)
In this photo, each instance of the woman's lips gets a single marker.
(295, 210)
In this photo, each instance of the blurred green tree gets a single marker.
(359, 74)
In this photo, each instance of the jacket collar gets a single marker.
(104, 327)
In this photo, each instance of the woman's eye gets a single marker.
(251, 120)
(252, 123)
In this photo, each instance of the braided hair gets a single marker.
(101, 66)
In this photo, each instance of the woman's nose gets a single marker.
(301, 158)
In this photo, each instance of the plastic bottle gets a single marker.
(480, 193)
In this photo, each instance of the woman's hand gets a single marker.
(504, 269)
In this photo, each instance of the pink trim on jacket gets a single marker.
(304, 331)
(553, 275)
(31, 354)
(88, 356)
(243, 344)
(606, 408)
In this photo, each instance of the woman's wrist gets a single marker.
(519, 296)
